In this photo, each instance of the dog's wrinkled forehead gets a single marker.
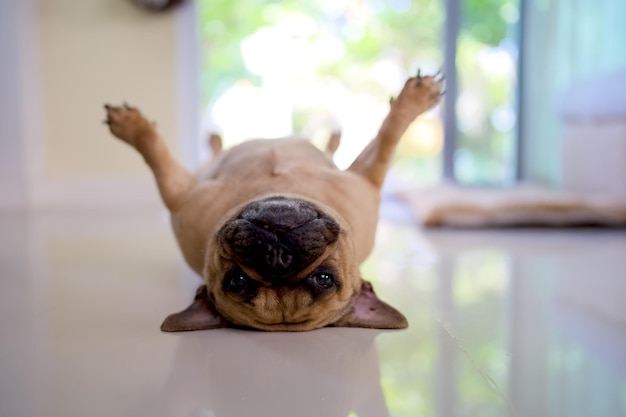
(278, 236)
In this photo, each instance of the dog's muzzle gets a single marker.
(278, 236)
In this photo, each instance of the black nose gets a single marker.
(278, 236)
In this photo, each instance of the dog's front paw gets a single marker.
(419, 94)
(128, 124)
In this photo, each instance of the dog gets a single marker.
(276, 231)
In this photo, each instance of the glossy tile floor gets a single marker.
(502, 323)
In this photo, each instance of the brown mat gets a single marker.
(522, 205)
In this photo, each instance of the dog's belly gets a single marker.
(260, 168)
(265, 158)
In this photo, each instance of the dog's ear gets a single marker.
(200, 315)
(370, 312)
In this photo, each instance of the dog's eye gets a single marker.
(239, 285)
(322, 280)
(237, 282)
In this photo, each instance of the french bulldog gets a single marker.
(276, 231)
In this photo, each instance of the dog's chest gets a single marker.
(267, 160)
(279, 165)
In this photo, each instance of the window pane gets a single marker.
(487, 73)
(272, 68)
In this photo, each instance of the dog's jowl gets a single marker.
(276, 231)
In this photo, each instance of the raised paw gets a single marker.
(419, 94)
(128, 124)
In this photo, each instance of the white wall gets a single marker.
(565, 43)
(66, 59)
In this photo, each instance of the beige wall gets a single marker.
(74, 57)
(97, 51)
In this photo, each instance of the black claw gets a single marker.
(107, 106)
(106, 122)
(126, 106)
(437, 73)
(391, 100)
(419, 73)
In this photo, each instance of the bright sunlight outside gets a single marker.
(272, 69)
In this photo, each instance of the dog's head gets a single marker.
(283, 264)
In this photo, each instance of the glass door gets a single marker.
(277, 68)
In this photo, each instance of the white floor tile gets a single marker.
(502, 323)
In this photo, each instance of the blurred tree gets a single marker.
(354, 39)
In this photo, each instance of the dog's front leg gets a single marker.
(418, 95)
(173, 180)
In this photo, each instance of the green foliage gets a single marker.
(487, 21)
(405, 32)
(369, 31)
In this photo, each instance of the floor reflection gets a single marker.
(522, 322)
(511, 323)
(329, 372)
